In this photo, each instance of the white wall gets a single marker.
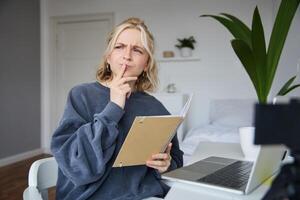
(219, 73)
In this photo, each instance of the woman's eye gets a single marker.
(138, 50)
(118, 47)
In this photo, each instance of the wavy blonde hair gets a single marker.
(148, 80)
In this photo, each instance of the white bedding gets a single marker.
(212, 133)
(226, 116)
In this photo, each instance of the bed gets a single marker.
(225, 118)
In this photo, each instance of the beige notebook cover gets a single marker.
(149, 135)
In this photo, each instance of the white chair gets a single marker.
(42, 176)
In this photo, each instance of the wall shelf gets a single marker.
(178, 59)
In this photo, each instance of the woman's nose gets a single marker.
(127, 54)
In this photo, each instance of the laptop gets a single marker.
(231, 175)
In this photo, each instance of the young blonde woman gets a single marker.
(98, 116)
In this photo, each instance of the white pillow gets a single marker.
(232, 112)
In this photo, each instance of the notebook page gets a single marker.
(186, 107)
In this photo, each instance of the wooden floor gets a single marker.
(13, 179)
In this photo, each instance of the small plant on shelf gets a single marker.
(186, 42)
(186, 45)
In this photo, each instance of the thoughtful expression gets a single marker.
(129, 51)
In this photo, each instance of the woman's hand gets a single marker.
(161, 161)
(120, 88)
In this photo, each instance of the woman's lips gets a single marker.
(126, 66)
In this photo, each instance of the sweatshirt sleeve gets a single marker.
(82, 148)
(176, 154)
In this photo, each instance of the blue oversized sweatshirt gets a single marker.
(88, 139)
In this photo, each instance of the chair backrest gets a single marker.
(43, 175)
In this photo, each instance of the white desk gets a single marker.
(181, 191)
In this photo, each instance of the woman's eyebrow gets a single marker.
(119, 43)
(135, 46)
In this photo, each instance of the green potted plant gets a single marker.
(186, 45)
(260, 62)
(249, 45)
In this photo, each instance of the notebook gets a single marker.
(149, 135)
(231, 175)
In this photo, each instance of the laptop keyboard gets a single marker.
(234, 176)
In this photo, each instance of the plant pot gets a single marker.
(249, 149)
(280, 99)
(186, 52)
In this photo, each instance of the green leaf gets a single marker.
(235, 29)
(245, 31)
(280, 30)
(250, 45)
(290, 89)
(259, 51)
(245, 54)
(286, 86)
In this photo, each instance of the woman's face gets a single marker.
(129, 51)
